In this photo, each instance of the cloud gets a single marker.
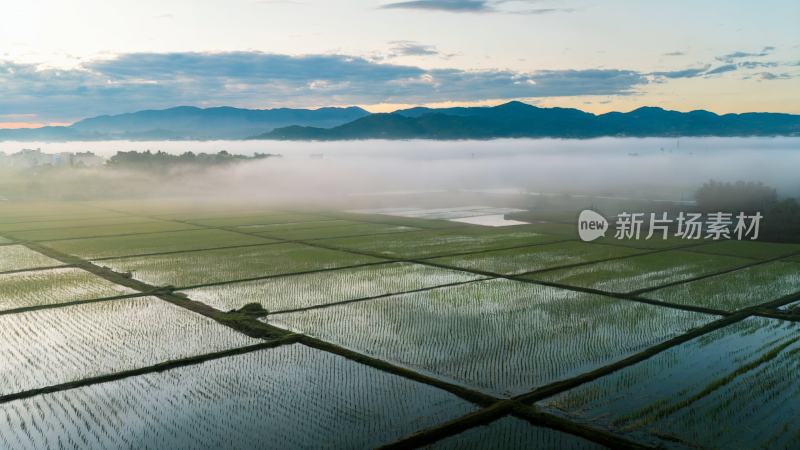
(137, 81)
(411, 48)
(678, 53)
(684, 73)
(443, 5)
(731, 57)
(769, 76)
(707, 71)
(722, 69)
(756, 64)
(473, 6)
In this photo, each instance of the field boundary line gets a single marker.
(376, 297)
(73, 227)
(282, 275)
(452, 427)
(558, 387)
(711, 275)
(239, 322)
(25, 309)
(542, 418)
(160, 367)
(463, 392)
(37, 269)
(172, 252)
(145, 233)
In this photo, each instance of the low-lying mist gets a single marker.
(358, 171)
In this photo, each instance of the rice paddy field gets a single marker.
(171, 324)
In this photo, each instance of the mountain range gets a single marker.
(518, 120)
(188, 122)
(509, 120)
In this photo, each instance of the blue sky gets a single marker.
(65, 60)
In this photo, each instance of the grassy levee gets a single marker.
(243, 323)
(512, 408)
(160, 367)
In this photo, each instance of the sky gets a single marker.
(66, 60)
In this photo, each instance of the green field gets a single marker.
(504, 337)
(48, 287)
(426, 244)
(336, 231)
(69, 223)
(99, 230)
(59, 345)
(213, 266)
(641, 272)
(171, 241)
(528, 259)
(749, 249)
(734, 388)
(17, 257)
(388, 326)
(736, 290)
(254, 219)
(320, 288)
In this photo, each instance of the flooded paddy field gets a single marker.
(182, 325)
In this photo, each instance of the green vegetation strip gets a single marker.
(640, 273)
(243, 323)
(157, 243)
(731, 291)
(100, 231)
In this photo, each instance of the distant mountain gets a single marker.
(516, 120)
(510, 120)
(187, 122)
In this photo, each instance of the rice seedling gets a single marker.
(520, 260)
(504, 337)
(49, 287)
(335, 231)
(21, 211)
(101, 230)
(171, 241)
(71, 223)
(736, 290)
(641, 272)
(289, 397)
(4, 240)
(53, 346)
(313, 289)
(396, 220)
(187, 269)
(749, 249)
(734, 388)
(654, 243)
(255, 219)
(18, 257)
(284, 227)
(510, 433)
(422, 244)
